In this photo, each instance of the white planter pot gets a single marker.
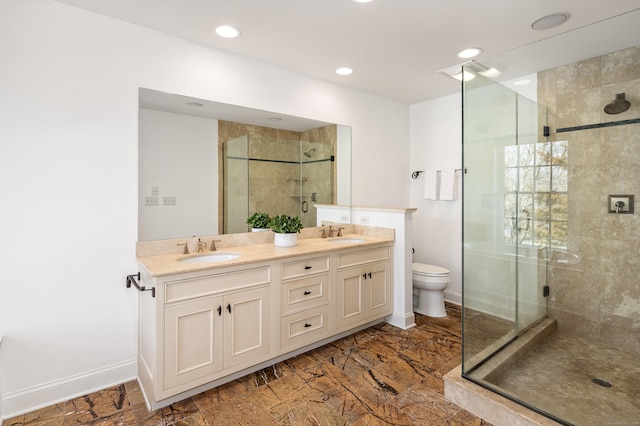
(285, 240)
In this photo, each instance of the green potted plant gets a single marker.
(286, 230)
(259, 221)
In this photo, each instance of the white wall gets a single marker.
(69, 85)
(436, 141)
(179, 156)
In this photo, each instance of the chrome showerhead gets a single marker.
(308, 153)
(619, 104)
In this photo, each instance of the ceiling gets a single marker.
(395, 47)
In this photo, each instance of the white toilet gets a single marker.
(429, 281)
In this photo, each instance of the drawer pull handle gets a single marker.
(306, 324)
(364, 275)
(307, 267)
(219, 310)
(229, 307)
(369, 274)
(307, 292)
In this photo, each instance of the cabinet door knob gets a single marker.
(307, 267)
(307, 292)
(306, 324)
(229, 307)
(219, 310)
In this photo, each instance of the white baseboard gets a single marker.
(453, 297)
(26, 400)
(404, 321)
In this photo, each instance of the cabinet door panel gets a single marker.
(350, 297)
(193, 333)
(247, 325)
(379, 300)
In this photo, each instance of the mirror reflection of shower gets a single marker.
(308, 153)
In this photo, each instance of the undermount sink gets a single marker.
(347, 240)
(210, 258)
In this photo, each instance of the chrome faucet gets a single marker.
(324, 234)
(201, 245)
(339, 232)
(331, 231)
(213, 244)
(186, 248)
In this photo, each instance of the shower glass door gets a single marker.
(503, 221)
(236, 185)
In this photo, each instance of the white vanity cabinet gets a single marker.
(209, 325)
(206, 326)
(364, 289)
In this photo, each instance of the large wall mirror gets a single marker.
(205, 166)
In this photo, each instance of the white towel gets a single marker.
(448, 185)
(431, 184)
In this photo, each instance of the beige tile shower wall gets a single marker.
(600, 296)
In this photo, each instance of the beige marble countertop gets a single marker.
(168, 264)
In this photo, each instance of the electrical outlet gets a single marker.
(344, 218)
(151, 201)
(169, 201)
(155, 190)
(364, 220)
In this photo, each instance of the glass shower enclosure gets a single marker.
(534, 316)
(275, 176)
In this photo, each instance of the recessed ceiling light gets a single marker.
(363, 1)
(551, 21)
(194, 104)
(521, 82)
(227, 32)
(470, 53)
(344, 71)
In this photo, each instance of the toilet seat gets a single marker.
(429, 270)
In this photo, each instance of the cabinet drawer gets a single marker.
(305, 327)
(304, 293)
(301, 268)
(202, 286)
(360, 257)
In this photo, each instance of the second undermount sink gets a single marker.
(210, 258)
(347, 240)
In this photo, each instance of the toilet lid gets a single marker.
(426, 269)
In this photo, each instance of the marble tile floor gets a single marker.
(557, 376)
(379, 376)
